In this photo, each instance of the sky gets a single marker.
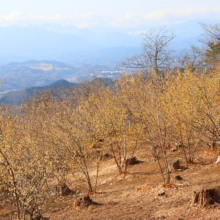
(115, 13)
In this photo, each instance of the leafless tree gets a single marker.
(211, 31)
(210, 44)
(190, 58)
(156, 52)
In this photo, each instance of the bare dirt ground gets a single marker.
(135, 195)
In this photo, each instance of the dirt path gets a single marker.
(135, 195)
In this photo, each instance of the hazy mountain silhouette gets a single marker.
(75, 46)
(17, 97)
(31, 73)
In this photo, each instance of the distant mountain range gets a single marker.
(31, 73)
(57, 52)
(63, 43)
(17, 97)
(74, 46)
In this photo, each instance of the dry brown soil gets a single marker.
(135, 195)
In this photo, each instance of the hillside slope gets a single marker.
(136, 195)
(19, 96)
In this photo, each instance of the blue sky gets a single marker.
(117, 13)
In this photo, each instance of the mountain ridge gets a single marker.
(17, 97)
(18, 75)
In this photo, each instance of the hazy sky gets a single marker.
(119, 13)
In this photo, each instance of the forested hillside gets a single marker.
(64, 137)
(16, 98)
(145, 146)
